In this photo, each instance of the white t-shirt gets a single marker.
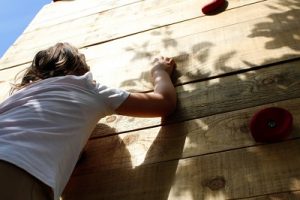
(44, 127)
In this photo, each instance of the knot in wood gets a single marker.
(110, 119)
(216, 183)
(130, 139)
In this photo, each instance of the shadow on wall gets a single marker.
(287, 22)
(280, 27)
(198, 53)
(107, 170)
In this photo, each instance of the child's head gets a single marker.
(59, 60)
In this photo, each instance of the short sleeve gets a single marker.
(112, 97)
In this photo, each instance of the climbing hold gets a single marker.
(271, 125)
(213, 6)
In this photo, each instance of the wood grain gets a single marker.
(200, 99)
(107, 26)
(217, 133)
(65, 11)
(234, 174)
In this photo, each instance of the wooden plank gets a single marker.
(64, 11)
(220, 95)
(225, 94)
(221, 132)
(240, 173)
(98, 28)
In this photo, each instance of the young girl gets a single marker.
(46, 123)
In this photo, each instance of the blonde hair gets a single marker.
(59, 60)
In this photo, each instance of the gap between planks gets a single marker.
(285, 195)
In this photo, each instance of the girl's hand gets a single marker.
(163, 63)
(161, 102)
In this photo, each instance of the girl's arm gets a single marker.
(159, 103)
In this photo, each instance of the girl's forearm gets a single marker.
(163, 85)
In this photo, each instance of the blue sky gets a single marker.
(15, 15)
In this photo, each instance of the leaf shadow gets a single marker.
(288, 21)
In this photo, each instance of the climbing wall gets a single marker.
(229, 66)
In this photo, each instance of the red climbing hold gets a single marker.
(212, 6)
(271, 125)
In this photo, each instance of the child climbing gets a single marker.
(50, 115)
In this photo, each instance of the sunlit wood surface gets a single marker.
(230, 65)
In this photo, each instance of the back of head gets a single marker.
(59, 60)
